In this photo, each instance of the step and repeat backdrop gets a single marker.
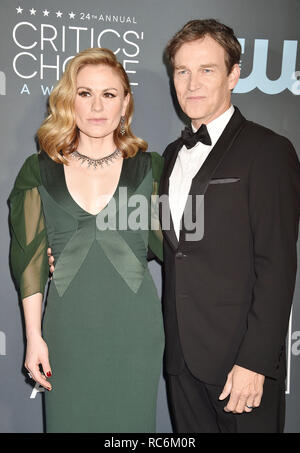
(38, 38)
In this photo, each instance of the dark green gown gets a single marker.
(103, 318)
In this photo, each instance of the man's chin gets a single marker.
(195, 115)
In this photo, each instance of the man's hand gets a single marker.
(50, 260)
(245, 388)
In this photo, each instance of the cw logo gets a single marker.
(2, 83)
(258, 77)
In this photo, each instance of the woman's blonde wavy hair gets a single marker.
(58, 135)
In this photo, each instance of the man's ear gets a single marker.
(234, 76)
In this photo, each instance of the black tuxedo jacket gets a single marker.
(227, 297)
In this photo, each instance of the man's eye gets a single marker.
(84, 93)
(207, 70)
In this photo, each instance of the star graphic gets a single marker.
(46, 12)
(59, 14)
(72, 15)
(32, 12)
(19, 10)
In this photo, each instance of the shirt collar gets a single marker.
(217, 126)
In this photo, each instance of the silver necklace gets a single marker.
(96, 162)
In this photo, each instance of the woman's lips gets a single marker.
(96, 120)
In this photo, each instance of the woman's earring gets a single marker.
(122, 128)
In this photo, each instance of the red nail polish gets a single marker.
(49, 374)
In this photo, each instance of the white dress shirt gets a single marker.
(187, 165)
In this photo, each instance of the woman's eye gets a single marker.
(109, 95)
(84, 93)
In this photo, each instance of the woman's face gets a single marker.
(99, 101)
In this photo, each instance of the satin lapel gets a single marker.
(168, 230)
(201, 179)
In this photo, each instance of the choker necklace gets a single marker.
(96, 162)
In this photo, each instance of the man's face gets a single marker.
(201, 81)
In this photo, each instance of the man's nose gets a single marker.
(194, 82)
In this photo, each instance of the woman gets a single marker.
(102, 342)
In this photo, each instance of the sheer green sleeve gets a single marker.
(155, 234)
(28, 251)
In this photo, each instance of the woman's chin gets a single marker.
(96, 133)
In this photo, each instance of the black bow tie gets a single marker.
(190, 138)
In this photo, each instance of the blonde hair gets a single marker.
(58, 135)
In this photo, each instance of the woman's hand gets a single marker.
(36, 354)
(50, 260)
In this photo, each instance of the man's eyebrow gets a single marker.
(209, 65)
(206, 65)
(180, 67)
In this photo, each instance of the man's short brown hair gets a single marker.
(199, 28)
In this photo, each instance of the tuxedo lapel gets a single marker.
(201, 179)
(170, 159)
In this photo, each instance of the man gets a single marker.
(227, 296)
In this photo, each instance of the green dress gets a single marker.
(103, 319)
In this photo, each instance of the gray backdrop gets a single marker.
(36, 39)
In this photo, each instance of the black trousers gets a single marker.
(196, 408)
